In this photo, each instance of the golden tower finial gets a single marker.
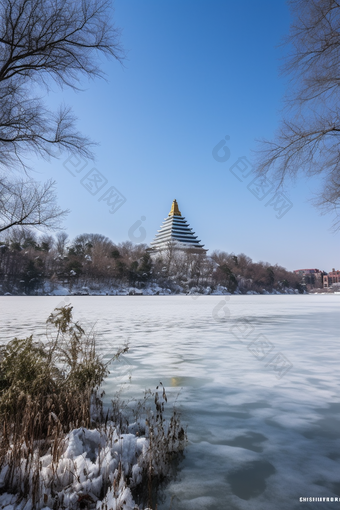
(174, 209)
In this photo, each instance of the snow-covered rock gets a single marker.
(220, 291)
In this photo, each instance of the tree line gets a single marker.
(32, 264)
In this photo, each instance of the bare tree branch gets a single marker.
(28, 204)
(308, 139)
(314, 37)
(40, 41)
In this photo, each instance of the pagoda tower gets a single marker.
(176, 230)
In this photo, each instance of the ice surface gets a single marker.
(239, 413)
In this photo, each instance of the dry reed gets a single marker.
(48, 390)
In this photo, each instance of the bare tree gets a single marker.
(308, 139)
(169, 255)
(19, 236)
(62, 238)
(28, 204)
(47, 242)
(41, 42)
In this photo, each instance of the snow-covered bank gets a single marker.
(98, 469)
(92, 461)
(156, 290)
(152, 289)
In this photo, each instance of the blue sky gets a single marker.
(196, 71)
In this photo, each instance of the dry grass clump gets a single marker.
(51, 389)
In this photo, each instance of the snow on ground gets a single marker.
(92, 460)
(152, 289)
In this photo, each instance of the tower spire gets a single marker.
(174, 209)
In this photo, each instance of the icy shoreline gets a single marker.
(92, 460)
(149, 290)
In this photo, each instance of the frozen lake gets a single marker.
(258, 384)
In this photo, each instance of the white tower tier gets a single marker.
(176, 231)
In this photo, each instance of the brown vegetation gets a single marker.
(29, 264)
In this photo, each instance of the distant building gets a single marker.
(176, 232)
(331, 278)
(311, 277)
